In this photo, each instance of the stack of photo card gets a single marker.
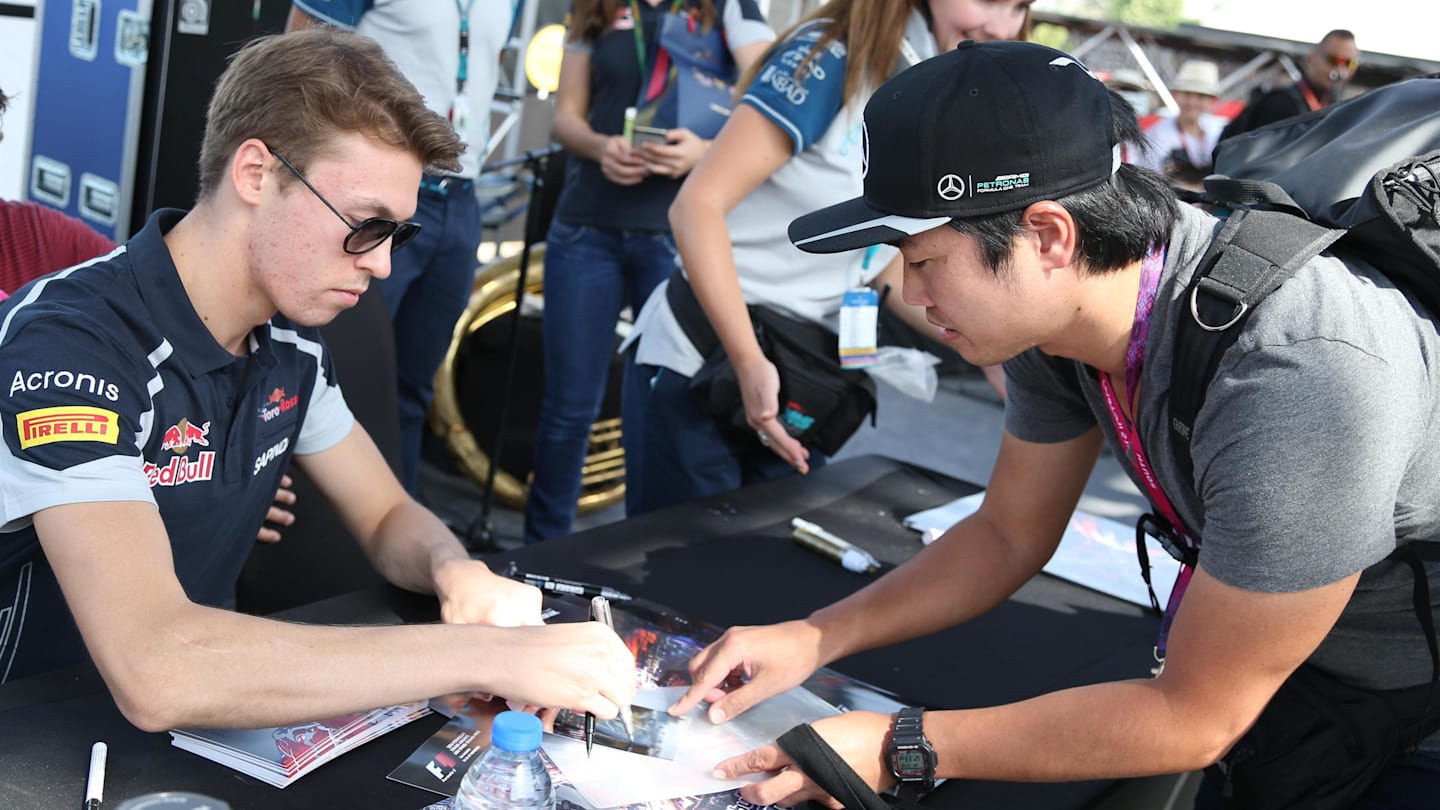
(279, 756)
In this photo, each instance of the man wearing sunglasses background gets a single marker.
(1328, 68)
(153, 397)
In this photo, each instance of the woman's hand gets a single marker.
(760, 391)
(677, 156)
(620, 164)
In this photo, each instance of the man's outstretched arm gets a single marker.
(172, 663)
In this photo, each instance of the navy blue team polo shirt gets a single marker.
(114, 390)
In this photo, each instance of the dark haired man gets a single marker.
(1328, 67)
(1028, 243)
(154, 396)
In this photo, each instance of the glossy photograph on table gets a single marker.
(657, 734)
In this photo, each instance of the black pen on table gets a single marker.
(95, 781)
(570, 586)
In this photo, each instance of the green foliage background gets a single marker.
(1162, 14)
(1149, 13)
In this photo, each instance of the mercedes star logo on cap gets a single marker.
(950, 187)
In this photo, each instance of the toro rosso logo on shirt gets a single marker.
(76, 423)
(276, 404)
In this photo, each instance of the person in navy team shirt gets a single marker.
(153, 397)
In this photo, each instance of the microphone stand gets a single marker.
(480, 536)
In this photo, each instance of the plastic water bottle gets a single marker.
(511, 773)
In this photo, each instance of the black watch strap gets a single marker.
(909, 725)
(908, 734)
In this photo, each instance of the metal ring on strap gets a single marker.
(1195, 313)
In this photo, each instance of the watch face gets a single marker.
(909, 762)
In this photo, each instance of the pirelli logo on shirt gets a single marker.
(76, 423)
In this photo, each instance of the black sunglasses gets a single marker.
(367, 234)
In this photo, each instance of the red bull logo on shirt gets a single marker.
(181, 435)
(181, 471)
(76, 423)
(276, 404)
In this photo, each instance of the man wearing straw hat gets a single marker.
(1181, 145)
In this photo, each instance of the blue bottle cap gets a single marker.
(515, 731)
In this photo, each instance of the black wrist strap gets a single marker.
(818, 760)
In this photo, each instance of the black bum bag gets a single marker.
(821, 404)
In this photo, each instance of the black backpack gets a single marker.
(1363, 178)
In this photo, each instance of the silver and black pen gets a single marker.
(600, 609)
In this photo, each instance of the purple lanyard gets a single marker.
(1129, 437)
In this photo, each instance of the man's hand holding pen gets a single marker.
(584, 667)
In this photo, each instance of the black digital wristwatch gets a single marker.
(909, 755)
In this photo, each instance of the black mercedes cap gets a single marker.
(985, 128)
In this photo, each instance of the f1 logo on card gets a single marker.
(75, 423)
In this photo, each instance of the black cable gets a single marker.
(480, 536)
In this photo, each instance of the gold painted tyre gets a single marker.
(470, 381)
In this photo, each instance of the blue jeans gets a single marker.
(1411, 785)
(685, 453)
(590, 274)
(427, 290)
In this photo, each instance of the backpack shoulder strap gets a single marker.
(1251, 194)
(1255, 252)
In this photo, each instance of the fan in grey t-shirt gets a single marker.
(1315, 450)
(1028, 242)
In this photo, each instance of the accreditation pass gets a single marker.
(859, 317)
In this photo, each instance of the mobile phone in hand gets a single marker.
(644, 135)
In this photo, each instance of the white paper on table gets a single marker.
(611, 778)
(1096, 552)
